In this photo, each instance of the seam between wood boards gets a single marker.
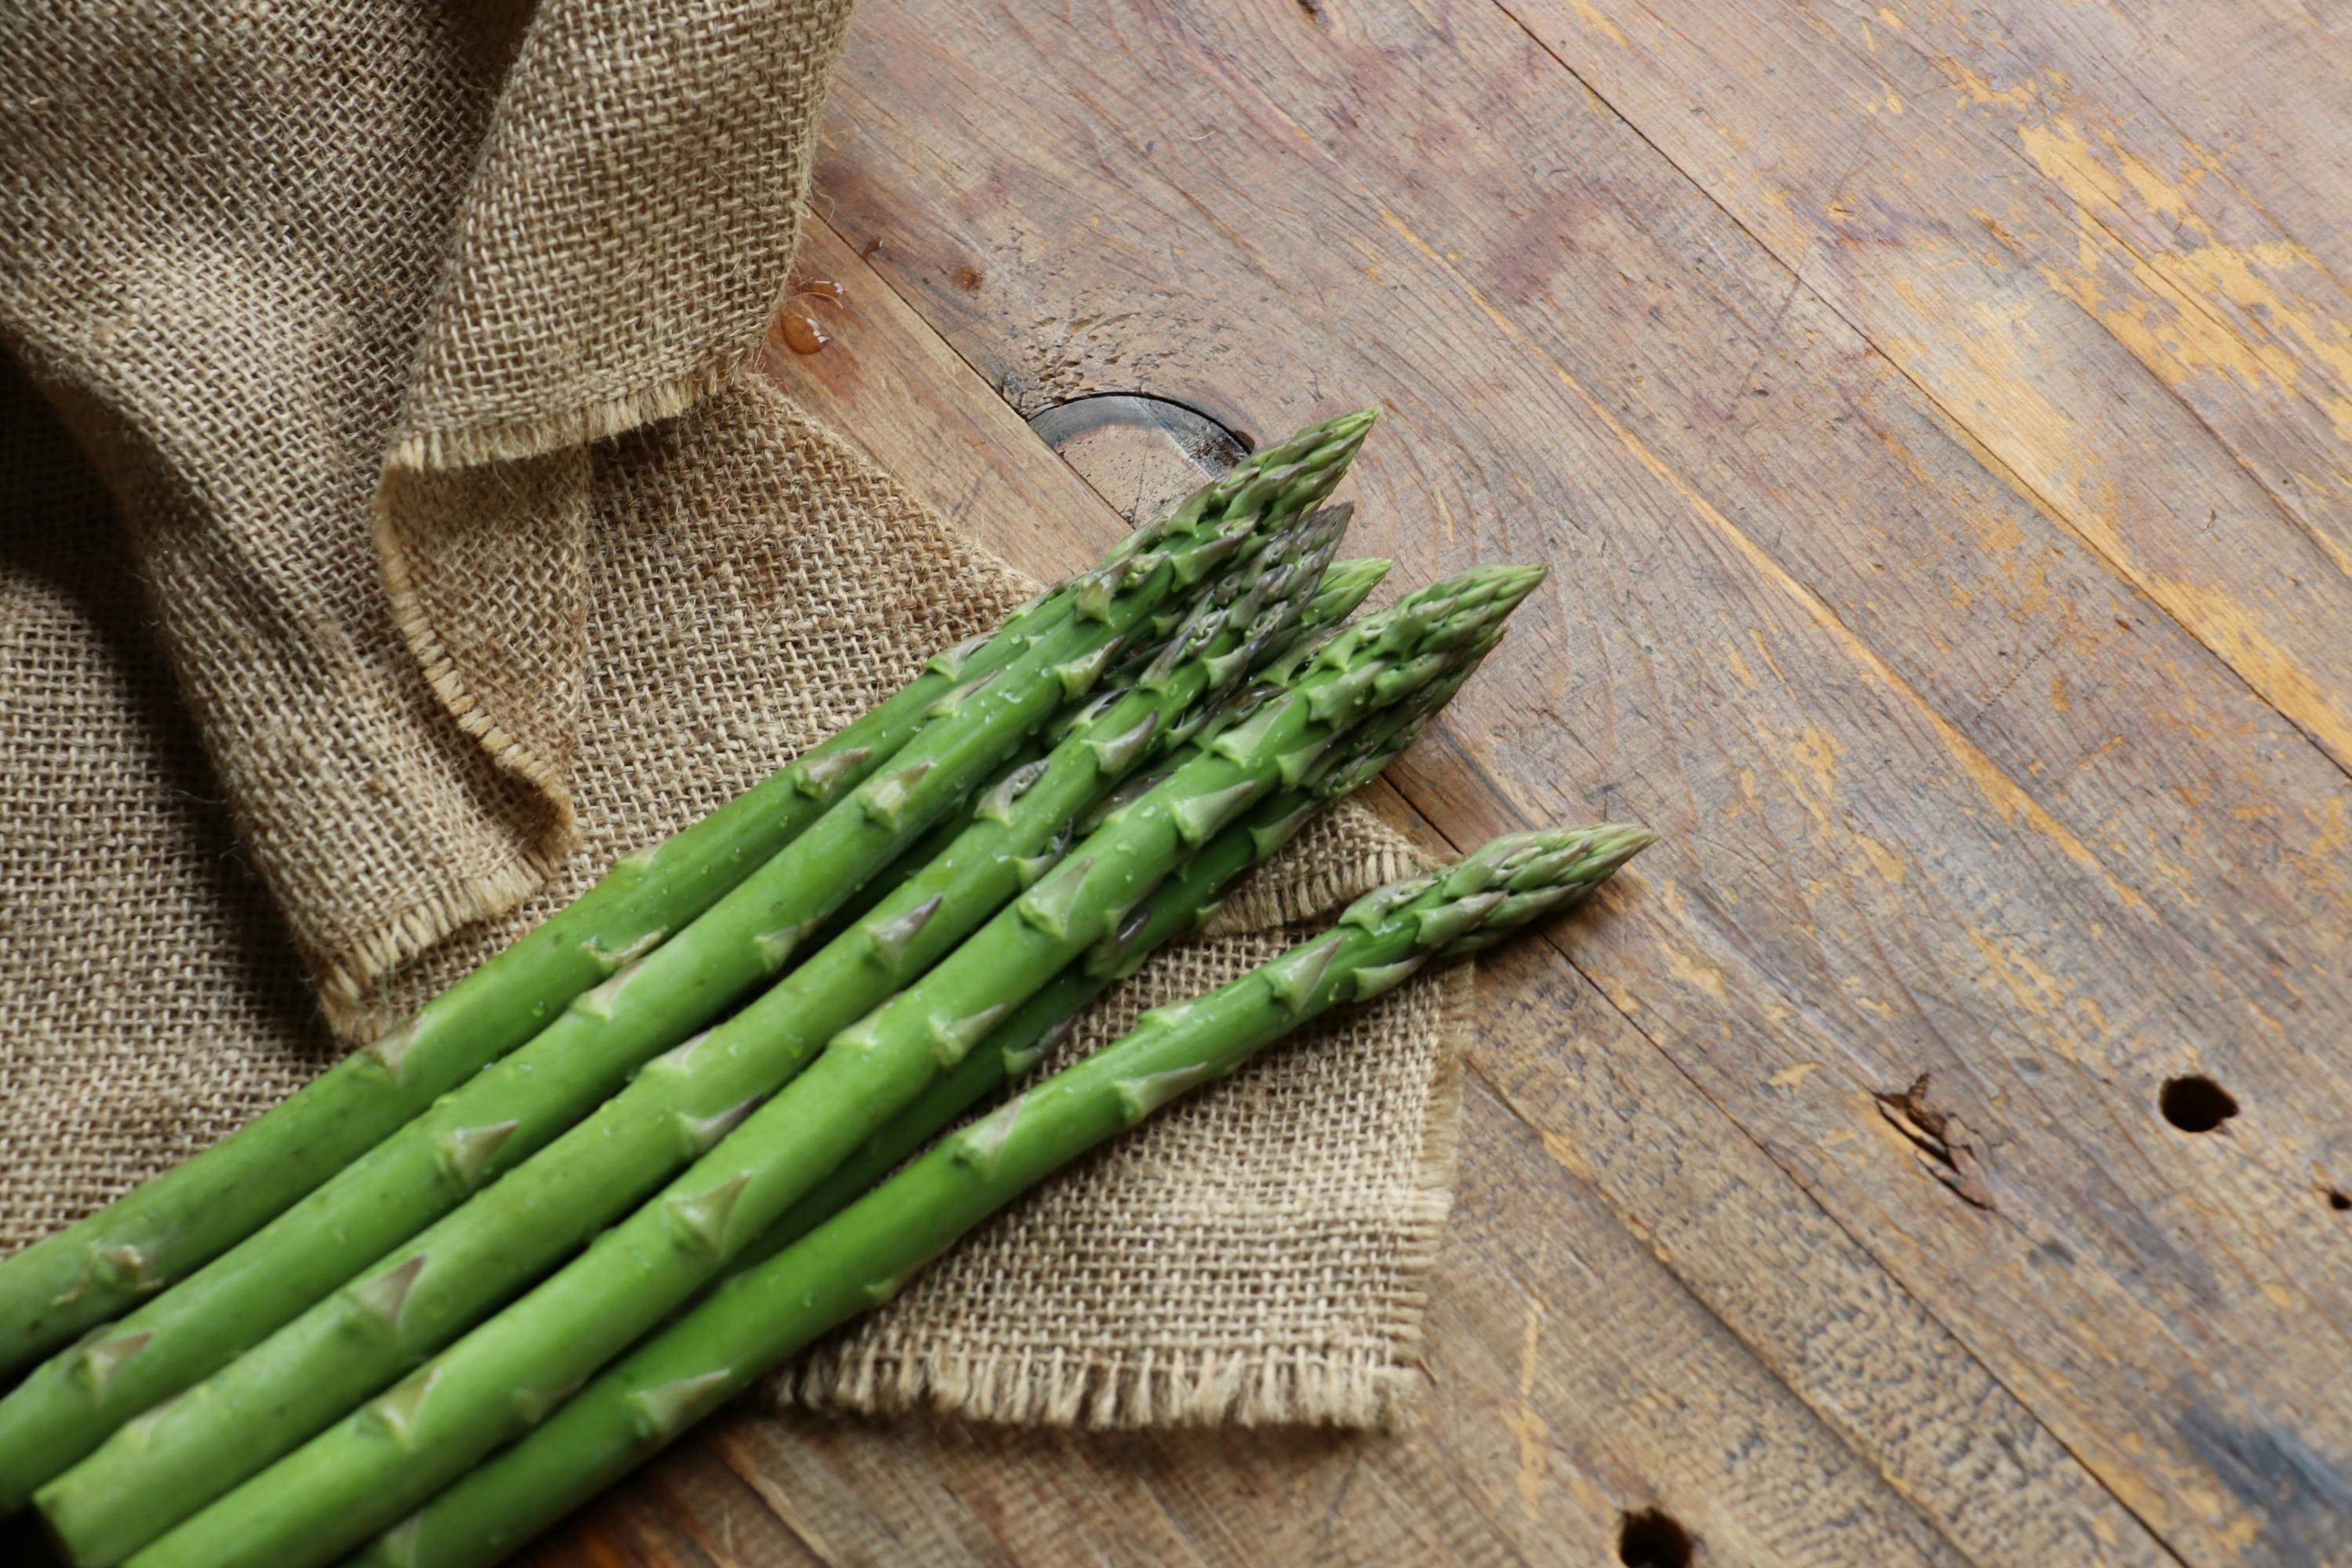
(1552, 942)
(1548, 936)
(1976, 444)
(722, 1445)
(1767, 1363)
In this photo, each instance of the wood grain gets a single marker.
(1575, 1380)
(1962, 599)
(1944, 793)
(2018, 221)
(1831, 1325)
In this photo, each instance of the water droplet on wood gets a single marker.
(804, 334)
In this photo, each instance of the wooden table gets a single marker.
(1940, 420)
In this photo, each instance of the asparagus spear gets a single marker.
(517, 1105)
(360, 1474)
(100, 1268)
(424, 1292)
(861, 1258)
(1185, 900)
(163, 1230)
(1345, 586)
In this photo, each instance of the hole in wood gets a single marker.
(1140, 452)
(1653, 1539)
(2340, 1200)
(2195, 1104)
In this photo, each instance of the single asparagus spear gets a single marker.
(162, 1230)
(362, 1473)
(408, 1303)
(862, 1257)
(518, 1105)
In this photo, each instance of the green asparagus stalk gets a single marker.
(1346, 585)
(1185, 900)
(861, 1258)
(519, 1104)
(1181, 903)
(423, 1293)
(97, 1269)
(406, 1443)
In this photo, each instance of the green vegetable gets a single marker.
(862, 1257)
(517, 1105)
(1186, 900)
(411, 1302)
(162, 1231)
(401, 1446)
(1345, 586)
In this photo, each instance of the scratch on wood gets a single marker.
(1528, 1427)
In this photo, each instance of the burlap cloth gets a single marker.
(390, 535)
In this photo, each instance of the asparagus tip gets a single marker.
(1614, 843)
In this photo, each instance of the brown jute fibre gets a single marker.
(390, 536)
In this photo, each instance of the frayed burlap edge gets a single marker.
(1374, 1389)
(513, 440)
(715, 364)
(345, 982)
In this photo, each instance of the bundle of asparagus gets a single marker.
(443, 1246)
(862, 1255)
(387, 1193)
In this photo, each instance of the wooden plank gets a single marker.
(1556, 1410)
(2000, 204)
(1569, 1385)
(1785, 641)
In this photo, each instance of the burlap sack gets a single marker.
(393, 535)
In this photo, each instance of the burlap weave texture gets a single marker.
(393, 536)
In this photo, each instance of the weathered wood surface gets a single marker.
(1941, 422)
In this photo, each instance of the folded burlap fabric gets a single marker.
(392, 533)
